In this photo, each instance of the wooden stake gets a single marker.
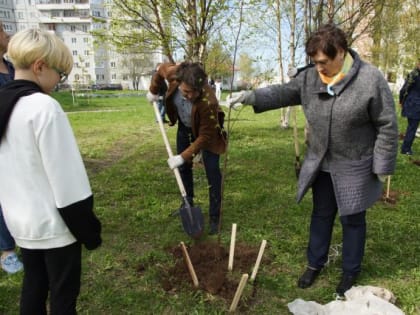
(232, 247)
(238, 292)
(257, 263)
(189, 264)
(388, 185)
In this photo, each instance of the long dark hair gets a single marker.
(192, 74)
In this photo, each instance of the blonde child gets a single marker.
(44, 189)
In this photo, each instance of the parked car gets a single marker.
(109, 87)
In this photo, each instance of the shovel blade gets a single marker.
(192, 220)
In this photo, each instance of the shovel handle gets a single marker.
(169, 150)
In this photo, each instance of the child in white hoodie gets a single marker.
(44, 189)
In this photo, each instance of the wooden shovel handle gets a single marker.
(168, 149)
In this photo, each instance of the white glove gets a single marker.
(175, 161)
(240, 98)
(382, 178)
(152, 97)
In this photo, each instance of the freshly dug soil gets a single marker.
(210, 262)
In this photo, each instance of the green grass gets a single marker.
(135, 191)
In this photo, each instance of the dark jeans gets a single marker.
(322, 222)
(410, 135)
(56, 270)
(211, 164)
(161, 106)
(6, 240)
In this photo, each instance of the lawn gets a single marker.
(135, 192)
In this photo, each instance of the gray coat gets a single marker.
(355, 131)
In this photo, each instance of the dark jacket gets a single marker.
(410, 95)
(206, 114)
(355, 130)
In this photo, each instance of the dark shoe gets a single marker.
(308, 278)
(165, 121)
(407, 152)
(346, 282)
(214, 225)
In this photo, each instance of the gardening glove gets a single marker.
(175, 161)
(240, 98)
(152, 97)
(382, 178)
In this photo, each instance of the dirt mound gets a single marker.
(210, 261)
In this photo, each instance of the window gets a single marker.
(114, 76)
(76, 65)
(112, 64)
(73, 40)
(76, 77)
(84, 28)
(20, 15)
(86, 52)
(87, 64)
(73, 28)
(74, 52)
(125, 77)
(86, 39)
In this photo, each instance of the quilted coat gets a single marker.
(206, 114)
(355, 130)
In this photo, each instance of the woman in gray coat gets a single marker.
(352, 144)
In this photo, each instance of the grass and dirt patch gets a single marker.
(139, 270)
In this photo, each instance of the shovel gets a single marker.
(191, 217)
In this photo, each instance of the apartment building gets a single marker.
(73, 21)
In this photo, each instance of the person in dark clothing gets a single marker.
(410, 103)
(161, 100)
(9, 260)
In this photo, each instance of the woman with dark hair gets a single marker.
(352, 144)
(191, 102)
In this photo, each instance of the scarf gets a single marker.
(10, 93)
(348, 62)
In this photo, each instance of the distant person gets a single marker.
(410, 102)
(44, 189)
(212, 83)
(8, 260)
(352, 145)
(161, 99)
(191, 102)
(218, 88)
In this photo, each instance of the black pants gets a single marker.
(410, 135)
(322, 222)
(211, 164)
(56, 270)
